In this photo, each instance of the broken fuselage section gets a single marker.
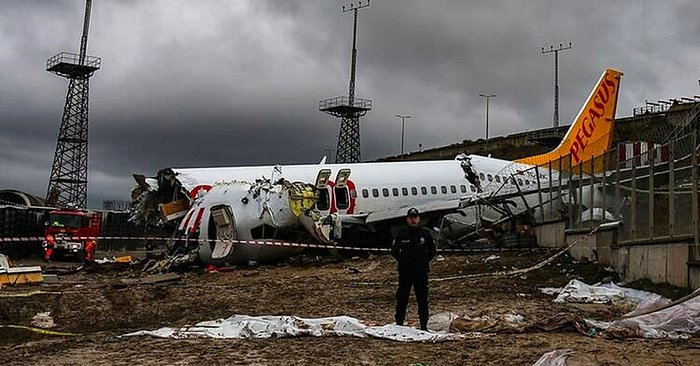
(225, 222)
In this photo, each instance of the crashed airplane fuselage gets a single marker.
(324, 201)
(328, 202)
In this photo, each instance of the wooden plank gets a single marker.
(676, 267)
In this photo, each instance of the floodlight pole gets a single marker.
(556, 77)
(354, 8)
(403, 120)
(488, 97)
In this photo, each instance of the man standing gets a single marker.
(413, 249)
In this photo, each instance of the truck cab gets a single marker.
(72, 233)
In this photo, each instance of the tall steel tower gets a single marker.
(68, 181)
(349, 108)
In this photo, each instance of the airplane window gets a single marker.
(505, 178)
(395, 192)
(443, 189)
(404, 191)
(472, 188)
(481, 176)
(453, 189)
(520, 182)
(527, 182)
(433, 190)
(365, 193)
(414, 191)
(385, 192)
(324, 200)
(353, 193)
(375, 192)
(341, 198)
(490, 177)
(498, 179)
(423, 190)
(463, 188)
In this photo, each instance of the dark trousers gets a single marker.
(419, 282)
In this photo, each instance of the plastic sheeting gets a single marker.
(578, 292)
(243, 326)
(554, 358)
(671, 320)
(681, 320)
(490, 323)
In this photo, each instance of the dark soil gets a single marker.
(92, 305)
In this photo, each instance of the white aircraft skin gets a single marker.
(376, 192)
(372, 192)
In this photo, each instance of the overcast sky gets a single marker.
(210, 83)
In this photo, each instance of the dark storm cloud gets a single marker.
(203, 83)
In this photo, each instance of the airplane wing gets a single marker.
(443, 206)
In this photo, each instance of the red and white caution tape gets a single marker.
(256, 242)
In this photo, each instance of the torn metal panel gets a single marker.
(10, 275)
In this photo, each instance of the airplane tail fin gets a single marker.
(591, 133)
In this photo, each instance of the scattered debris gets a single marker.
(10, 276)
(353, 270)
(451, 322)
(439, 258)
(218, 269)
(243, 326)
(550, 290)
(171, 262)
(28, 294)
(149, 280)
(50, 279)
(554, 358)
(579, 292)
(43, 320)
(490, 258)
(122, 259)
(680, 319)
(372, 266)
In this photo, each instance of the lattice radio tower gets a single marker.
(68, 181)
(349, 108)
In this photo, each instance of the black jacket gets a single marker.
(413, 248)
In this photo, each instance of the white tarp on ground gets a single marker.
(243, 326)
(554, 358)
(681, 320)
(579, 292)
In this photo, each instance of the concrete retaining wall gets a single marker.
(659, 261)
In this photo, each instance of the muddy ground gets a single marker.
(91, 305)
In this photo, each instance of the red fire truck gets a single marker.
(63, 231)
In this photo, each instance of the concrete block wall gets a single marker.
(659, 262)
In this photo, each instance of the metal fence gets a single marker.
(652, 191)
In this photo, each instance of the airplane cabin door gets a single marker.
(223, 225)
(341, 191)
(324, 191)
